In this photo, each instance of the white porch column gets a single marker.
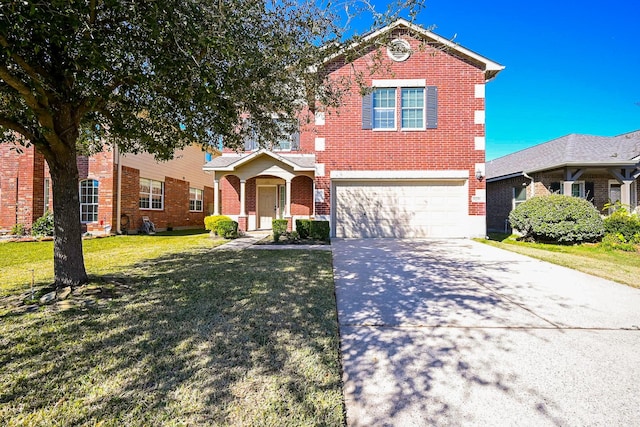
(566, 188)
(625, 193)
(216, 197)
(625, 177)
(242, 197)
(287, 192)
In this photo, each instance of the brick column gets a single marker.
(242, 223)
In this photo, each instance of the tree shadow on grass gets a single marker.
(234, 338)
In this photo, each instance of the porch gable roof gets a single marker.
(231, 161)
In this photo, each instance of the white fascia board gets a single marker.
(398, 174)
(489, 64)
(491, 68)
(594, 164)
(502, 177)
(246, 159)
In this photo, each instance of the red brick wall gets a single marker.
(301, 196)
(250, 189)
(21, 186)
(130, 199)
(176, 211)
(230, 202)
(102, 168)
(450, 146)
(22, 192)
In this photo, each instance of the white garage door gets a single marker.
(400, 209)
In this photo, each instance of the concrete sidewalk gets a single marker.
(460, 333)
(244, 242)
(250, 240)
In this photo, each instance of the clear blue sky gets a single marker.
(571, 66)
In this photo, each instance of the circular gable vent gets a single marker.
(399, 50)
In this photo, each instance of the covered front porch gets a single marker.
(599, 183)
(256, 188)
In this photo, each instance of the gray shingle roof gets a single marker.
(568, 150)
(304, 161)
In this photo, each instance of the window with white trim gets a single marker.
(577, 189)
(47, 193)
(384, 108)
(88, 200)
(418, 107)
(519, 195)
(151, 194)
(195, 199)
(412, 106)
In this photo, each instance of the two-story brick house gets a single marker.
(116, 190)
(406, 159)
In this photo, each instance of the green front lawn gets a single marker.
(172, 333)
(616, 265)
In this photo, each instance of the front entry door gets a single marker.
(266, 206)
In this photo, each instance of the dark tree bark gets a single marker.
(68, 260)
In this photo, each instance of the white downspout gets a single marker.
(533, 186)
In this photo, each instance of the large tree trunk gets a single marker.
(68, 260)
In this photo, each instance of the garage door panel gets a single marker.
(400, 209)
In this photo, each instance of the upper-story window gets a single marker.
(88, 200)
(413, 108)
(384, 108)
(283, 143)
(151, 194)
(418, 106)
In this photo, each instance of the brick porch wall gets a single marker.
(301, 196)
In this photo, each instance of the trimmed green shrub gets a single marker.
(302, 227)
(43, 226)
(18, 230)
(319, 230)
(211, 222)
(617, 241)
(557, 218)
(293, 235)
(279, 227)
(623, 223)
(227, 229)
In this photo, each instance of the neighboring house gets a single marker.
(115, 190)
(597, 168)
(405, 160)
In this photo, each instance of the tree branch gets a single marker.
(10, 124)
(22, 89)
(36, 73)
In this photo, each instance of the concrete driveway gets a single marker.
(460, 333)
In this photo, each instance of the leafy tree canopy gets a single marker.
(156, 75)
